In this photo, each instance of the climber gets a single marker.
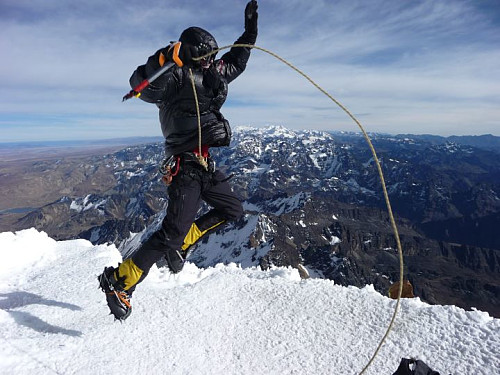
(189, 170)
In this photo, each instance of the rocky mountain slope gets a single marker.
(314, 199)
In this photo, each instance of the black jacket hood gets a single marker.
(199, 38)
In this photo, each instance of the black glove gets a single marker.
(251, 16)
(186, 53)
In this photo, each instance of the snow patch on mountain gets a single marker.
(285, 205)
(244, 243)
(128, 247)
(89, 202)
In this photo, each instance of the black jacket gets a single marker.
(173, 94)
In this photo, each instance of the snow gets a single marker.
(212, 251)
(85, 204)
(333, 240)
(225, 319)
(94, 237)
(129, 174)
(285, 205)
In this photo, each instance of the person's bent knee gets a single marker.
(236, 213)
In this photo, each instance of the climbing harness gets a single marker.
(375, 157)
(169, 168)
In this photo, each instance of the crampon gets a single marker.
(118, 300)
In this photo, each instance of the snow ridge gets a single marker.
(223, 319)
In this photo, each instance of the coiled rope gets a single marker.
(375, 157)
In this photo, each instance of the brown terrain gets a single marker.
(34, 177)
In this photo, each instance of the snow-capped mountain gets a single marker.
(220, 320)
(314, 199)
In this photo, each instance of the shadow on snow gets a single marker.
(10, 301)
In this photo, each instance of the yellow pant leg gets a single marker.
(129, 270)
(195, 234)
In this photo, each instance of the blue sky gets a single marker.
(401, 66)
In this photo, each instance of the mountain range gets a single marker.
(312, 200)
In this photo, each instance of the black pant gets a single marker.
(189, 188)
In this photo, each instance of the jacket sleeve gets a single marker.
(162, 87)
(234, 62)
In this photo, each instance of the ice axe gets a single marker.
(136, 91)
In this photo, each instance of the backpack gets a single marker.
(414, 367)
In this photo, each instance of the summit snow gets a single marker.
(222, 319)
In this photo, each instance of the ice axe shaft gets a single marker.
(136, 91)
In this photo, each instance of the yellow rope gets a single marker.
(201, 159)
(379, 169)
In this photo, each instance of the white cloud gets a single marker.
(430, 66)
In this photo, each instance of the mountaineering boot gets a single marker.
(117, 298)
(175, 260)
